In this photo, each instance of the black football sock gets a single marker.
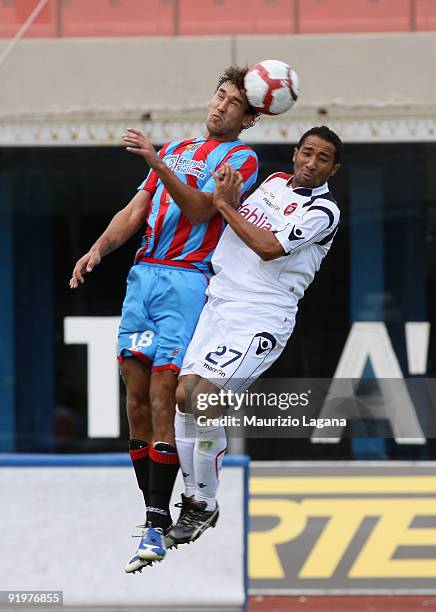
(164, 465)
(139, 454)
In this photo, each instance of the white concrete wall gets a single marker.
(129, 76)
(69, 529)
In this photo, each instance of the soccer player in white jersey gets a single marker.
(266, 258)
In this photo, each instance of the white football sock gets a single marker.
(184, 426)
(209, 453)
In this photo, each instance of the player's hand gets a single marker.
(84, 265)
(139, 144)
(228, 183)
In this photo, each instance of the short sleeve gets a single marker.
(318, 223)
(245, 162)
(150, 183)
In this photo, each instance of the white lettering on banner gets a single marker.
(366, 341)
(417, 339)
(289, 550)
(370, 341)
(100, 336)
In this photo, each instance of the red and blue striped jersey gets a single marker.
(170, 237)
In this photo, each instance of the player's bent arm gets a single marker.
(261, 241)
(122, 226)
(196, 205)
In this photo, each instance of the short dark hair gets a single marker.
(325, 133)
(236, 75)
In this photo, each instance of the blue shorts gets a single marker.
(160, 313)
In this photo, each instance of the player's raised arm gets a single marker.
(122, 226)
(226, 194)
(195, 204)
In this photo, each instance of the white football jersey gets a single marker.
(303, 220)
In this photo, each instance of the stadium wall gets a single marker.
(315, 528)
(130, 77)
(67, 525)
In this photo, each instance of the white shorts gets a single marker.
(235, 342)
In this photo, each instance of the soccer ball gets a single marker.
(271, 87)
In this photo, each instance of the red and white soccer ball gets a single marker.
(272, 87)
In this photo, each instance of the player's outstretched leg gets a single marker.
(203, 511)
(154, 539)
(164, 465)
(184, 427)
(139, 454)
(185, 434)
(136, 377)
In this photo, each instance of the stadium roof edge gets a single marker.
(362, 125)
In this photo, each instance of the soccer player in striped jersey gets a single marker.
(167, 283)
(267, 257)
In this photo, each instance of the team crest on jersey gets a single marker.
(290, 208)
(171, 161)
(194, 146)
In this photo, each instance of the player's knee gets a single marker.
(160, 404)
(137, 409)
(162, 400)
(211, 442)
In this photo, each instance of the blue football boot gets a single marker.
(152, 547)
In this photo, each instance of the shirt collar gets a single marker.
(309, 193)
